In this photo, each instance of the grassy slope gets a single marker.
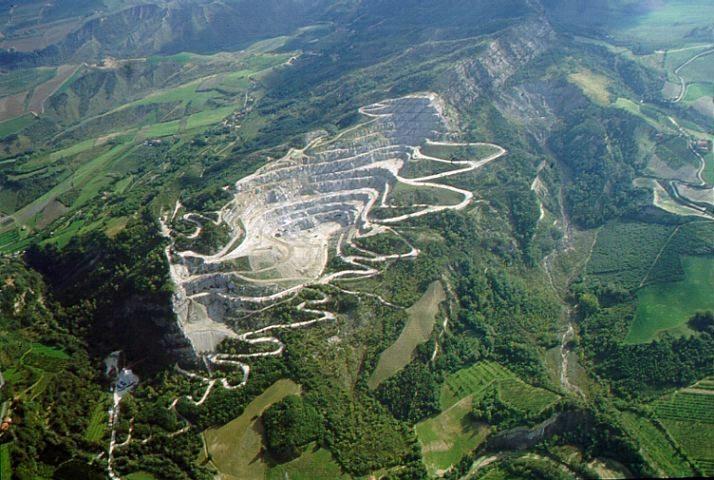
(667, 306)
(97, 423)
(5, 462)
(314, 464)
(235, 447)
(417, 331)
(446, 438)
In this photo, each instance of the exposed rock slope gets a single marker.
(285, 218)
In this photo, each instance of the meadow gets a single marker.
(667, 306)
(446, 438)
(469, 381)
(454, 432)
(422, 316)
(140, 476)
(235, 449)
(449, 152)
(593, 86)
(5, 462)
(697, 90)
(314, 464)
(97, 423)
(16, 124)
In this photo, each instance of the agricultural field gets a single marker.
(16, 124)
(5, 462)
(450, 435)
(624, 252)
(656, 447)
(140, 476)
(675, 152)
(100, 155)
(97, 423)
(697, 90)
(422, 316)
(314, 464)
(667, 306)
(688, 415)
(235, 449)
(446, 438)
(524, 397)
(16, 81)
(471, 381)
(593, 85)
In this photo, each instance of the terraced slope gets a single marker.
(285, 219)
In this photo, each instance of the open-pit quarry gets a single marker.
(289, 217)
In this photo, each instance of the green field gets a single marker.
(668, 306)
(235, 448)
(472, 380)
(16, 124)
(5, 462)
(592, 85)
(697, 90)
(701, 69)
(446, 438)
(29, 367)
(97, 423)
(417, 331)
(656, 447)
(140, 476)
(16, 81)
(476, 379)
(183, 57)
(524, 397)
(689, 417)
(405, 195)
(676, 154)
(78, 147)
(314, 464)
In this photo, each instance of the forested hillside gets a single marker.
(357, 239)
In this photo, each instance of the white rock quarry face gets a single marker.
(285, 217)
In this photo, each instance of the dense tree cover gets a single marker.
(524, 217)
(412, 394)
(359, 431)
(492, 410)
(47, 397)
(664, 363)
(639, 369)
(703, 322)
(513, 318)
(599, 148)
(105, 295)
(211, 239)
(289, 425)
